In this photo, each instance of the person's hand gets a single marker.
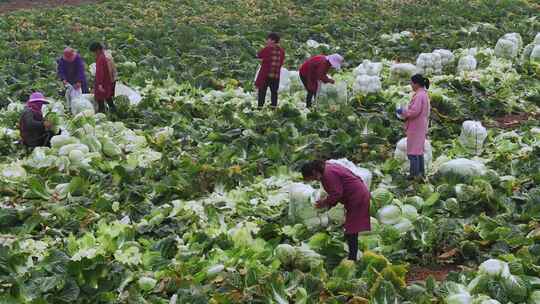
(101, 89)
(78, 85)
(65, 82)
(319, 205)
(399, 111)
(47, 124)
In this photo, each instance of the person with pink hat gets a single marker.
(71, 69)
(35, 131)
(315, 70)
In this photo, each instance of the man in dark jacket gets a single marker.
(35, 131)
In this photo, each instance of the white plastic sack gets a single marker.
(284, 79)
(367, 84)
(81, 104)
(72, 94)
(466, 63)
(535, 53)
(463, 167)
(368, 68)
(332, 93)
(302, 198)
(93, 69)
(363, 173)
(402, 70)
(429, 63)
(401, 153)
(123, 90)
(508, 46)
(473, 135)
(446, 56)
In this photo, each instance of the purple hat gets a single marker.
(37, 96)
(335, 60)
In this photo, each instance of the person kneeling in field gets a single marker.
(315, 70)
(345, 187)
(35, 131)
(272, 57)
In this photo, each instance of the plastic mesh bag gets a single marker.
(472, 136)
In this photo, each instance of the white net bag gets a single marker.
(472, 136)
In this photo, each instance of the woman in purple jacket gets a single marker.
(71, 70)
(344, 187)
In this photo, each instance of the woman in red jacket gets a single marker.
(315, 70)
(105, 81)
(272, 57)
(345, 187)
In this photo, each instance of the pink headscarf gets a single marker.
(69, 54)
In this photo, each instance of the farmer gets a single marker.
(272, 57)
(345, 187)
(416, 124)
(71, 70)
(105, 81)
(35, 131)
(315, 70)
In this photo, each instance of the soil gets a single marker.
(15, 5)
(514, 120)
(418, 273)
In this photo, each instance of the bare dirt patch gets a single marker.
(16, 5)
(439, 273)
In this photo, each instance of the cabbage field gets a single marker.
(193, 195)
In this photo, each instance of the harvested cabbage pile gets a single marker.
(429, 63)
(509, 45)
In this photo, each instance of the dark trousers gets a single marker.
(101, 105)
(310, 95)
(352, 242)
(417, 165)
(273, 84)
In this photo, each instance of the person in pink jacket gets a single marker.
(416, 124)
(344, 187)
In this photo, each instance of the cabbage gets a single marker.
(463, 167)
(516, 288)
(460, 298)
(65, 150)
(404, 225)
(416, 201)
(146, 283)
(389, 214)
(163, 135)
(62, 140)
(307, 259)
(336, 215)
(285, 253)
(76, 156)
(409, 212)
(382, 197)
(534, 297)
(13, 171)
(110, 149)
(92, 142)
(494, 268)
